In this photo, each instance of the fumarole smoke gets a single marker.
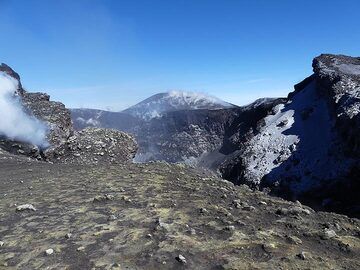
(15, 123)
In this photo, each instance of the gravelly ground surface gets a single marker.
(143, 216)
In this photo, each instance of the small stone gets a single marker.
(181, 259)
(295, 210)
(237, 204)
(262, 203)
(295, 240)
(302, 255)
(102, 198)
(249, 208)
(1, 243)
(230, 228)
(192, 231)
(268, 247)
(241, 223)
(328, 234)
(203, 211)
(68, 235)
(112, 217)
(24, 207)
(49, 251)
(149, 235)
(80, 248)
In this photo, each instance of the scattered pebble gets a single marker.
(49, 251)
(80, 248)
(328, 234)
(302, 255)
(24, 207)
(230, 228)
(249, 208)
(262, 203)
(112, 217)
(295, 240)
(268, 247)
(103, 198)
(294, 210)
(181, 259)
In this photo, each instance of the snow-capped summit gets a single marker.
(158, 104)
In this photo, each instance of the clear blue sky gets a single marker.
(111, 54)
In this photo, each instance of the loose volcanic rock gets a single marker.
(25, 207)
(96, 146)
(143, 237)
(49, 251)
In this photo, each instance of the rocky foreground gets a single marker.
(158, 216)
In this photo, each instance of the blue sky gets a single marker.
(112, 54)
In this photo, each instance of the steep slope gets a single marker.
(308, 147)
(193, 136)
(157, 105)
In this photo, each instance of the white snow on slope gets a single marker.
(196, 100)
(295, 142)
(158, 104)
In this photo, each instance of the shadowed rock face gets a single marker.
(308, 148)
(338, 79)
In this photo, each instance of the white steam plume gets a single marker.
(15, 124)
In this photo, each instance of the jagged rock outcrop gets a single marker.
(53, 114)
(65, 144)
(308, 148)
(338, 78)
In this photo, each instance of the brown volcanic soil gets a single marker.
(145, 215)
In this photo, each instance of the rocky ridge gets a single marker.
(307, 148)
(66, 144)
